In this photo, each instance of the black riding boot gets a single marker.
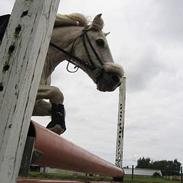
(57, 123)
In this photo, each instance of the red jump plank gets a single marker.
(60, 153)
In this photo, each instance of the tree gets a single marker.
(167, 167)
(143, 163)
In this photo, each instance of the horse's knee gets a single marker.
(56, 91)
(42, 108)
(56, 96)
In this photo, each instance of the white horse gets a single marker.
(84, 45)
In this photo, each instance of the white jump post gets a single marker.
(120, 125)
(22, 54)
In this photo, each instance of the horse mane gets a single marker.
(74, 19)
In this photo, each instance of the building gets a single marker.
(141, 171)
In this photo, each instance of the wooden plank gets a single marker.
(22, 55)
(27, 156)
(58, 181)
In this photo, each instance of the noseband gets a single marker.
(91, 65)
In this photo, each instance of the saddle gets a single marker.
(3, 24)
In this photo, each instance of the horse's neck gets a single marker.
(63, 37)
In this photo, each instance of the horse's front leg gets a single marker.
(56, 99)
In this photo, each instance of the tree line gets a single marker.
(167, 167)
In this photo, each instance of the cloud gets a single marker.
(6, 6)
(168, 20)
(143, 69)
(146, 38)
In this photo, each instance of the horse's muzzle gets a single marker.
(108, 82)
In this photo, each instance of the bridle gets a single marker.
(71, 58)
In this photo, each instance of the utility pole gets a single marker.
(22, 54)
(120, 125)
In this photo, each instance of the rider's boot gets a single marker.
(57, 123)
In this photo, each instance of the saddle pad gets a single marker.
(3, 24)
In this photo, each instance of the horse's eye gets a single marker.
(100, 42)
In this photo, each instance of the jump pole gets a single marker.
(120, 125)
(57, 152)
(22, 54)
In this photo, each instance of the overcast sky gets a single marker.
(146, 39)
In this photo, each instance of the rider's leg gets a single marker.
(56, 98)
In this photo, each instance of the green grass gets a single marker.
(68, 176)
(84, 178)
(148, 179)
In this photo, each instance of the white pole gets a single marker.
(120, 125)
(22, 54)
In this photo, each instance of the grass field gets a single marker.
(83, 178)
(148, 179)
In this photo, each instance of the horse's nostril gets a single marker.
(115, 79)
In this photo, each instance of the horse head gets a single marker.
(95, 58)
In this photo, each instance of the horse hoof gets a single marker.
(57, 129)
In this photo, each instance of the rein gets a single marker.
(71, 57)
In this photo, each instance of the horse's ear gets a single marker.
(97, 23)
